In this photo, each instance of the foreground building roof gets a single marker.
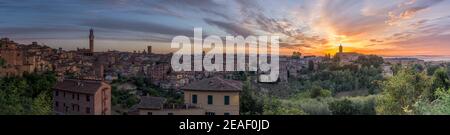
(149, 102)
(214, 84)
(81, 86)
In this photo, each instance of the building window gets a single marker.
(56, 93)
(149, 113)
(170, 114)
(73, 95)
(73, 107)
(210, 113)
(88, 110)
(210, 99)
(78, 96)
(56, 104)
(88, 98)
(66, 108)
(64, 94)
(226, 113)
(194, 99)
(226, 100)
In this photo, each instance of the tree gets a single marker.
(12, 99)
(42, 104)
(241, 75)
(318, 91)
(2, 62)
(431, 69)
(370, 60)
(401, 92)
(343, 107)
(39, 83)
(440, 106)
(364, 104)
(274, 106)
(440, 79)
(311, 65)
(139, 82)
(448, 69)
(123, 98)
(396, 68)
(249, 103)
(29, 95)
(418, 67)
(296, 55)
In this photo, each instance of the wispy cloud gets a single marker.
(314, 27)
(409, 9)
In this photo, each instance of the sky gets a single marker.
(313, 27)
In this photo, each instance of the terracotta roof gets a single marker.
(214, 84)
(80, 86)
(149, 102)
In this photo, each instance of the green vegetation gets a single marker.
(296, 55)
(127, 98)
(318, 91)
(275, 107)
(343, 107)
(314, 92)
(440, 79)
(440, 106)
(402, 91)
(250, 104)
(27, 95)
(2, 62)
(326, 88)
(336, 78)
(335, 89)
(123, 98)
(370, 60)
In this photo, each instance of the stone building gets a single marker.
(346, 57)
(211, 96)
(19, 59)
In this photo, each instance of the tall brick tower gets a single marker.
(91, 40)
(149, 49)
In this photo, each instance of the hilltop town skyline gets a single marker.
(90, 48)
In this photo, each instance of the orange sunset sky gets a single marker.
(314, 27)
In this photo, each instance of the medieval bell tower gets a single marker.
(91, 40)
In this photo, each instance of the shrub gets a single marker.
(440, 106)
(317, 91)
(276, 107)
(314, 106)
(343, 107)
(365, 105)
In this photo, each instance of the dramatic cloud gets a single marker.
(136, 26)
(409, 9)
(312, 27)
(178, 7)
(230, 28)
